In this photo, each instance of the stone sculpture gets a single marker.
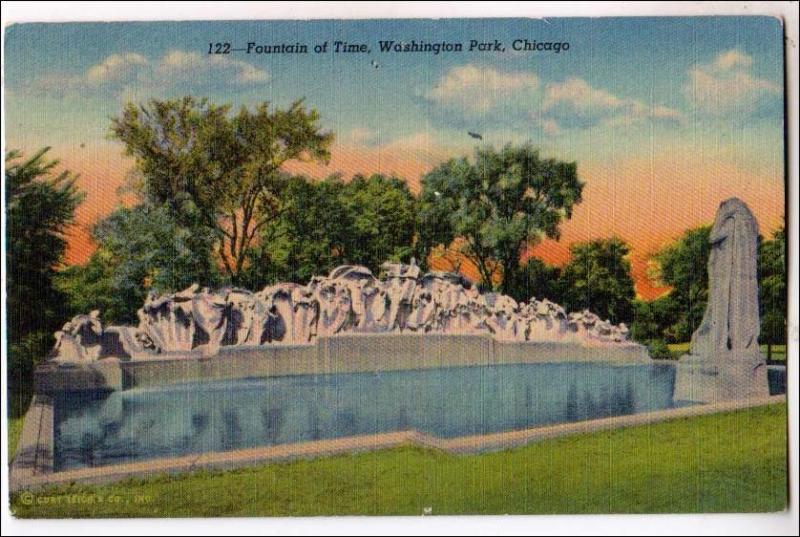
(724, 360)
(349, 300)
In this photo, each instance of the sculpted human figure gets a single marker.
(367, 297)
(538, 320)
(306, 314)
(503, 321)
(724, 361)
(422, 312)
(247, 317)
(400, 287)
(334, 307)
(79, 340)
(279, 325)
(168, 320)
(126, 342)
(210, 313)
(731, 320)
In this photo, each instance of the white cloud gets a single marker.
(129, 74)
(185, 65)
(466, 94)
(727, 84)
(480, 88)
(116, 68)
(576, 99)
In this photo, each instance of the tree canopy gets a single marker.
(537, 279)
(499, 204)
(365, 221)
(40, 206)
(683, 265)
(140, 249)
(598, 278)
(216, 169)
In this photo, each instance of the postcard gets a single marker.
(270, 268)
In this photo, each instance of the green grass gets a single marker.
(719, 463)
(14, 432)
(778, 351)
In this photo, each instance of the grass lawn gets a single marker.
(725, 462)
(14, 432)
(778, 351)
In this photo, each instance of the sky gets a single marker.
(665, 117)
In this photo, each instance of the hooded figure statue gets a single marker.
(724, 360)
(731, 324)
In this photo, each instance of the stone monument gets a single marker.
(724, 360)
(350, 300)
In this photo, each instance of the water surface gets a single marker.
(138, 424)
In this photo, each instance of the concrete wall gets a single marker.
(96, 376)
(348, 353)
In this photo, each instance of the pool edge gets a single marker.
(29, 469)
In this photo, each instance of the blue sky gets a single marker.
(675, 113)
(643, 60)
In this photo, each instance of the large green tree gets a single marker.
(499, 204)
(383, 216)
(772, 290)
(683, 265)
(365, 221)
(40, 206)
(218, 169)
(140, 249)
(598, 278)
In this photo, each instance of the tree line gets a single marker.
(215, 206)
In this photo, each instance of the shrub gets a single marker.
(659, 350)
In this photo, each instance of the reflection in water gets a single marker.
(94, 429)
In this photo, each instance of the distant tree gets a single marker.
(40, 206)
(772, 287)
(598, 278)
(217, 169)
(382, 214)
(536, 279)
(308, 237)
(365, 221)
(650, 318)
(499, 205)
(683, 265)
(139, 249)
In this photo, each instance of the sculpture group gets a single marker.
(349, 300)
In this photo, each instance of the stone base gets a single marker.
(710, 380)
(52, 377)
(327, 355)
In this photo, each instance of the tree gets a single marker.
(40, 207)
(536, 279)
(365, 221)
(219, 170)
(650, 318)
(382, 214)
(683, 266)
(308, 237)
(598, 278)
(772, 289)
(139, 249)
(499, 205)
